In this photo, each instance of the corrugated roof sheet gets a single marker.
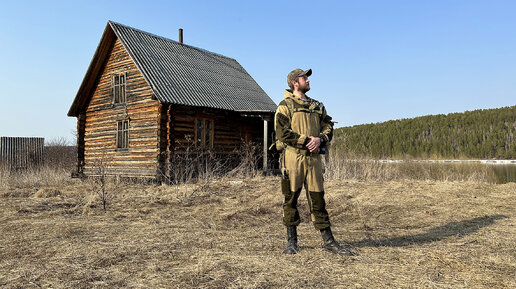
(182, 74)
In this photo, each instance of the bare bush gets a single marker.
(60, 153)
(99, 181)
(249, 158)
(192, 169)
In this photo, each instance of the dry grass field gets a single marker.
(228, 234)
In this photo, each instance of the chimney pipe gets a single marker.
(181, 35)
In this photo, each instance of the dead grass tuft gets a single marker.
(47, 193)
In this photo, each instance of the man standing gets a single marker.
(302, 130)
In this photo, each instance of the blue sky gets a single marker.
(372, 61)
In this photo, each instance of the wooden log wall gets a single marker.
(18, 153)
(101, 117)
(231, 130)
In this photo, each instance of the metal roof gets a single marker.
(182, 74)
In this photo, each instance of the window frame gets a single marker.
(201, 143)
(119, 89)
(122, 134)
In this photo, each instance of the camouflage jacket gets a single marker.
(295, 120)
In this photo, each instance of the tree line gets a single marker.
(479, 134)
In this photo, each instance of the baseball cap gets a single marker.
(294, 74)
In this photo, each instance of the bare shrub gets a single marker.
(192, 169)
(60, 153)
(99, 181)
(249, 157)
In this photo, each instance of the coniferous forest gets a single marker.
(478, 134)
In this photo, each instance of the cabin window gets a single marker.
(122, 135)
(204, 132)
(118, 85)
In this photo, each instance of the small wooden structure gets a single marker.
(146, 99)
(19, 153)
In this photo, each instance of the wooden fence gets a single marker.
(17, 153)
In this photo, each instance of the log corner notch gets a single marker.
(81, 125)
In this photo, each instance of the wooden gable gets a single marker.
(102, 116)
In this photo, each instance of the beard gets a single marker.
(304, 88)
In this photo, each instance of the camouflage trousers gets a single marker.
(303, 169)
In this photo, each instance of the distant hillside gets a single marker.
(481, 134)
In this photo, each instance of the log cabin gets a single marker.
(146, 99)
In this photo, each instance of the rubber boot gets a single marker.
(292, 241)
(330, 244)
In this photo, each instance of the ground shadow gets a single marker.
(461, 229)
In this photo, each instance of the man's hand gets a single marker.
(314, 144)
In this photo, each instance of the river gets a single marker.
(505, 173)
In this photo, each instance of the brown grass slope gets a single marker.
(228, 234)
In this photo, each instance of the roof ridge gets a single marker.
(111, 22)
